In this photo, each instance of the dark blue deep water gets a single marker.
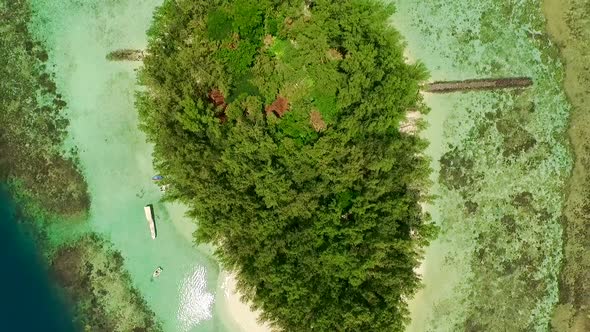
(28, 301)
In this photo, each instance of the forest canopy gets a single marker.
(277, 123)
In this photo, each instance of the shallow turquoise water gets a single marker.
(487, 38)
(116, 160)
(29, 300)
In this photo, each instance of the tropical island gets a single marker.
(277, 124)
(298, 141)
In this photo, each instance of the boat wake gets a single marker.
(195, 302)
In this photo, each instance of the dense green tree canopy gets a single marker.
(277, 123)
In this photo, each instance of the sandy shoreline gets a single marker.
(236, 314)
(244, 318)
(436, 280)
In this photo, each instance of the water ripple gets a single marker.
(195, 302)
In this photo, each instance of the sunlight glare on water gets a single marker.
(195, 302)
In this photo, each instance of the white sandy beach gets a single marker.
(246, 320)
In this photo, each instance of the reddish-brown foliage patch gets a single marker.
(218, 100)
(280, 106)
(316, 120)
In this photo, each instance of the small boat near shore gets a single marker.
(149, 215)
(157, 272)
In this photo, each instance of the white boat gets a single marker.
(149, 215)
(157, 272)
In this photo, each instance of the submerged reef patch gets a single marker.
(94, 277)
(504, 164)
(35, 126)
(49, 187)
